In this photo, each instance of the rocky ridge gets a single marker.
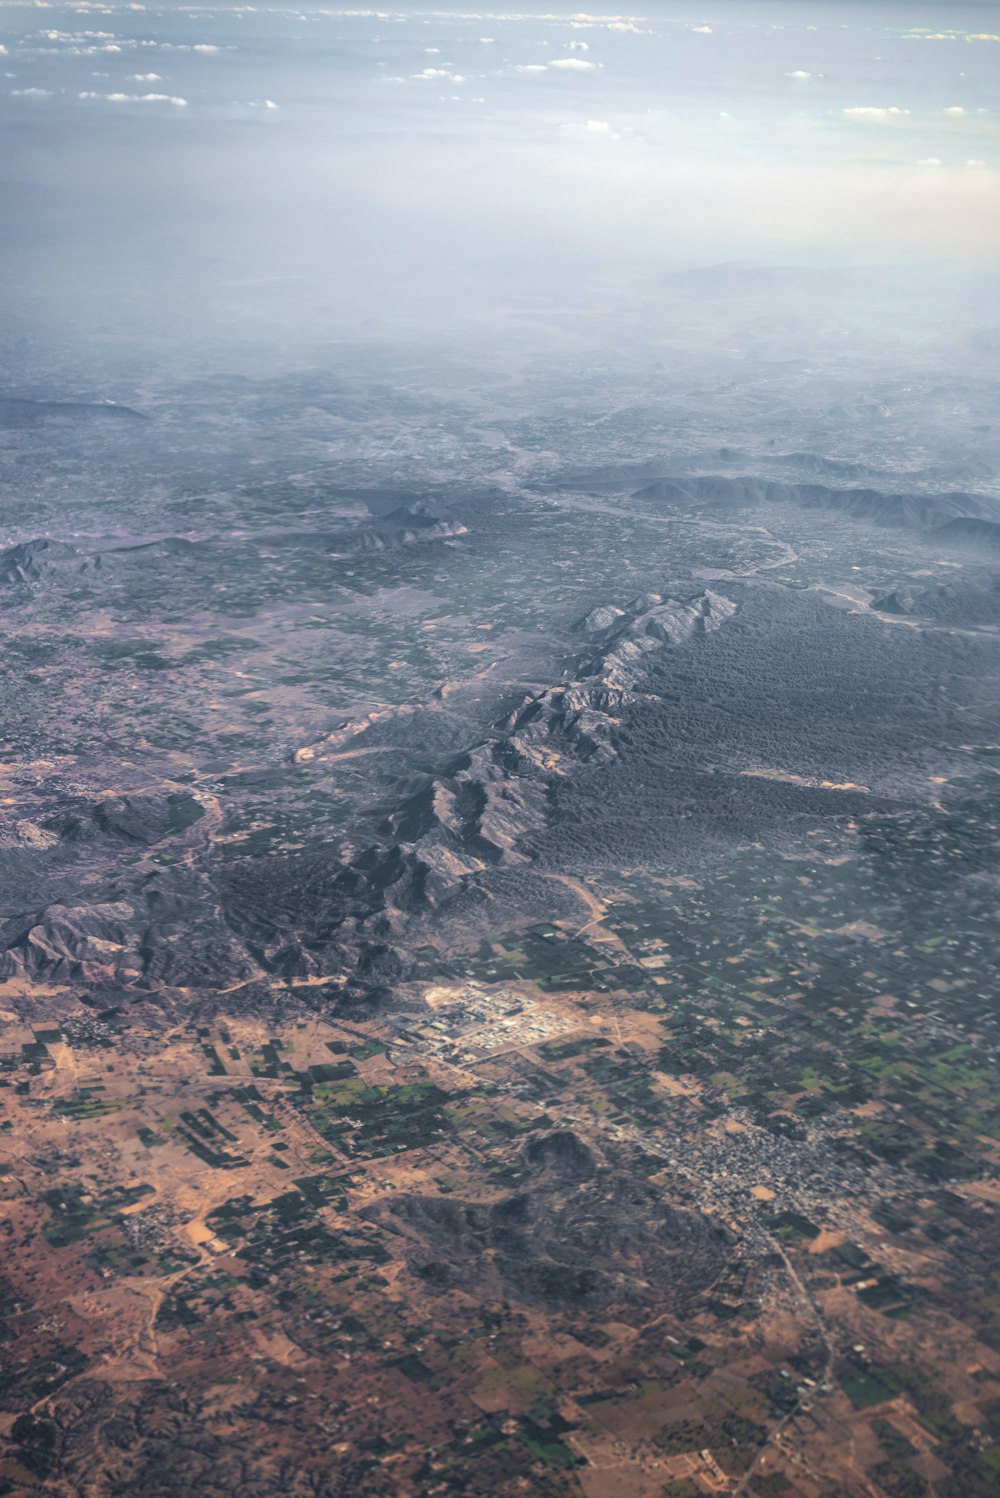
(314, 915)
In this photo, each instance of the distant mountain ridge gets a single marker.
(915, 511)
(16, 412)
(42, 559)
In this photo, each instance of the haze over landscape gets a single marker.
(500, 575)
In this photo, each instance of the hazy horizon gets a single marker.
(304, 171)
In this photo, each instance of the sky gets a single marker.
(170, 163)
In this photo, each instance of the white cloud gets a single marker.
(573, 64)
(579, 46)
(599, 23)
(872, 112)
(598, 127)
(205, 47)
(78, 36)
(137, 98)
(930, 161)
(30, 93)
(146, 78)
(983, 36)
(799, 73)
(440, 73)
(955, 109)
(432, 50)
(530, 67)
(702, 30)
(974, 163)
(486, 41)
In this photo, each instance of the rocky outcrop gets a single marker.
(409, 525)
(582, 714)
(31, 561)
(476, 812)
